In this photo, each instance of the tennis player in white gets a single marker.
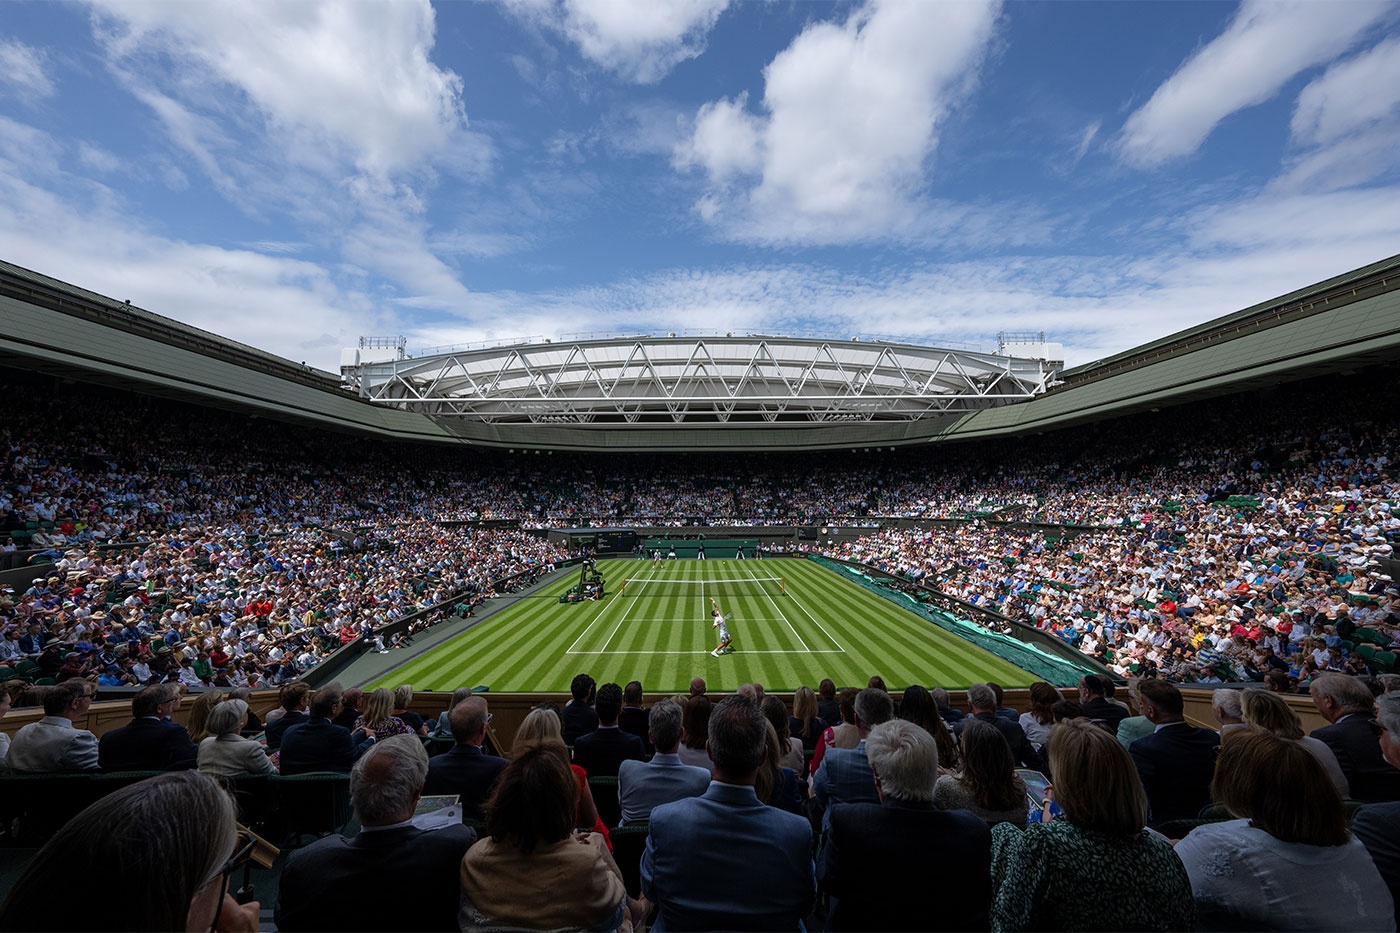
(724, 637)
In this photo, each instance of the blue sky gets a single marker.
(296, 174)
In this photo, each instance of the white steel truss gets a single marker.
(755, 379)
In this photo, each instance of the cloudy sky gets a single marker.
(296, 174)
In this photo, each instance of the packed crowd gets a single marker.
(1075, 814)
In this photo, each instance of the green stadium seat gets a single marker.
(311, 804)
(1366, 650)
(1385, 661)
(628, 844)
(604, 789)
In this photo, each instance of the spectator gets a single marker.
(874, 863)
(1096, 705)
(175, 839)
(844, 775)
(988, 786)
(695, 733)
(378, 718)
(255, 724)
(1002, 711)
(4, 736)
(844, 734)
(403, 696)
(542, 726)
(224, 751)
(442, 729)
(982, 701)
(697, 686)
(688, 867)
(466, 770)
(349, 708)
(1038, 721)
(950, 716)
(791, 748)
(293, 698)
(918, 707)
(1268, 711)
(828, 708)
(319, 744)
(774, 784)
(643, 785)
(633, 718)
(579, 717)
(601, 751)
(1134, 727)
(54, 743)
(151, 741)
(1288, 854)
(1347, 705)
(1377, 825)
(1177, 761)
(197, 722)
(531, 871)
(806, 725)
(392, 875)
(1226, 706)
(1094, 867)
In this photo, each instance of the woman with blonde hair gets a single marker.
(1096, 866)
(542, 726)
(1266, 710)
(1288, 861)
(805, 724)
(378, 716)
(199, 714)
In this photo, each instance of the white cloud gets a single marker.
(352, 78)
(640, 40)
(23, 68)
(1266, 44)
(853, 114)
(1355, 94)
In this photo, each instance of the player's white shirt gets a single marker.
(719, 624)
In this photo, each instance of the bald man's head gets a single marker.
(468, 721)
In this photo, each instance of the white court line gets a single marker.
(781, 613)
(590, 625)
(620, 620)
(819, 625)
(703, 651)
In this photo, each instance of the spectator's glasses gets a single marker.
(242, 852)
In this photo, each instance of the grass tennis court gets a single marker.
(812, 624)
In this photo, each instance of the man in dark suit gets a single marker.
(875, 861)
(982, 700)
(319, 744)
(294, 698)
(466, 770)
(1176, 762)
(633, 717)
(150, 742)
(578, 714)
(1096, 705)
(827, 706)
(601, 751)
(349, 708)
(951, 717)
(1345, 702)
(1377, 825)
(392, 875)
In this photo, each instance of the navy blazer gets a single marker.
(578, 719)
(875, 865)
(468, 772)
(634, 719)
(1358, 751)
(147, 744)
(603, 750)
(278, 727)
(320, 745)
(1176, 764)
(404, 878)
(724, 861)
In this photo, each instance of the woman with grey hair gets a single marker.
(443, 729)
(225, 751)
(174, 840)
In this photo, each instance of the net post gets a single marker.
(622, 589)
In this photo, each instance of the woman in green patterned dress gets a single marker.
(1096, 866)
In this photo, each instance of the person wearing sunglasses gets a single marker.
(173, 839)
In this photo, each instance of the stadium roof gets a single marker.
(751, 392)
(664, 381)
